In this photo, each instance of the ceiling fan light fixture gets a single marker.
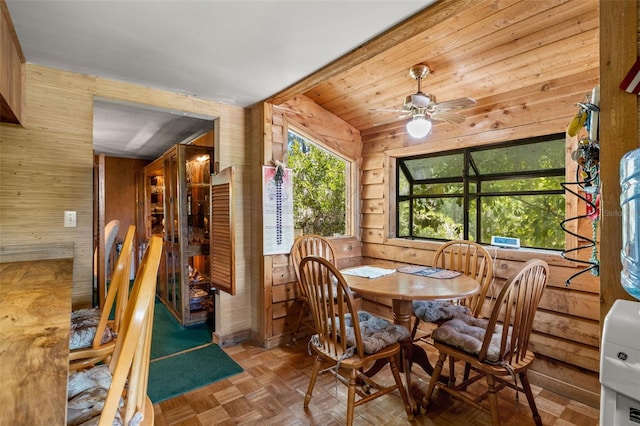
(419, 127)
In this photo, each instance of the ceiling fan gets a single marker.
(423, 108)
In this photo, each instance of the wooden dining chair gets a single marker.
(496, 348)
(116, 393)
(307, 245)
(347, 339)
(93, 332)
(463, 256)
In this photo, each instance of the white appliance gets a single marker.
(620, 366)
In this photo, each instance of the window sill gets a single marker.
(552, 257)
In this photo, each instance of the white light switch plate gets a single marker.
(69, 219)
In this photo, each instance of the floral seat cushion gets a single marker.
(438, 310)
(86, 394)
(84, 323)
(467, 333)
(377, 333)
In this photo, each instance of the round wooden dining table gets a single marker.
(403, 289)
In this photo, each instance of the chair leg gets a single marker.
(303, 309)
(403, 392)
(493, 400)
(312, 381)
(452, 372)
(526, 386)
(465, 376)
(415, 328)
(432, 383)
(351, 396)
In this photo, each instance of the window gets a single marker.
(320, 180)
(511, 189)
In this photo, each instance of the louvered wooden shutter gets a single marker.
(222, 254)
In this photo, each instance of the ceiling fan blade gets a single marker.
(392, 120)
(454, 104)
(447, 116)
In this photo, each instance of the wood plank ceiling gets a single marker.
(503, 54)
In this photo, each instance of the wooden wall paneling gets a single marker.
(259, 120)
(279, 289)
(577, 384)
(375, 191)
(325, 127)
(372, 176)
(571, 302)
(346, 248)
(399, 254)
(282, 271)
(373, 161)
(284, 291)
(584, 282)
(373, 221)
(377, 308)
(570, 352)
(46, 167)
(372, 206)
(283, 309)
(560, 325)
(266, 324)
(618, 135)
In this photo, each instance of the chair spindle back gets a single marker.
(472, 260)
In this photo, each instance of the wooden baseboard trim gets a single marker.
(584, 396)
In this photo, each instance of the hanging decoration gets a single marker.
(277, 208)
(631, 82)
(587, 183)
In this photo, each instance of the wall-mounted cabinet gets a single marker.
(11, 71)
(178, 208)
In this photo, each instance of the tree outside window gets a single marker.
(319, 187)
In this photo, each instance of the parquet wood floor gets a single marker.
(271, 391)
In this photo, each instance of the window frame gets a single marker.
(350, 166)
(466, 181)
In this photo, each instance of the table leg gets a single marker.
(402, 311)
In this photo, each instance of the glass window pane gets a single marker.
(535, 219)
(521, 158)
(403, 184)
(403, 219)
(520, 184)
(445, 166)
(473, 228)
(319, 187)
(434, 190)
(438, 189)
(440, 218)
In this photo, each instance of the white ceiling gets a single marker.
(238, 52)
